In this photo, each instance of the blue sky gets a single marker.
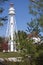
(22, 14)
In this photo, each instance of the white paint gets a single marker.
(11, 31)
(14, 59)
(11, 15)
(36, 39)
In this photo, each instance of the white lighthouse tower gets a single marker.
(11, 42)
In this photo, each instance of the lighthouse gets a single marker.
(11, 42)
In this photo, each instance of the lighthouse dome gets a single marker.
(11, 9)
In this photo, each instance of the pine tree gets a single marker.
(4, 18)
(36, 9)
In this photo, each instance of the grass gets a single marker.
(14, 63)
(9, 54)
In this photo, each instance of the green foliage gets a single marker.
(10, 54)
(41, 21)
(36, 9)
(39, 59)
(31, 53)
(26, 46)
(1, 1)
(1, 40)
(22, 38)
(1, 12)
(33, 26)
(37, 6)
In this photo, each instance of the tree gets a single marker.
(39, 59)
(36, 9)
(33, 26)
(1, 42)
(26, 45)
(4, 18)
(1, 11)
(22, 37)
